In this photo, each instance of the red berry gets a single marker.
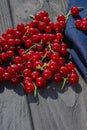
(47, 74)
(46, 20)
(27, 80)
(57, 77)
(64, 70)
(55, 56)
(73, 77)
(28, 43)
(42, 26)
(78, 23)
(29, 87)
(1, 71)
(6, 76)
(70, 66)
(27, 73)
(15, 79)
(74, 11)
(53, 66)
(18, 59)
(40, 82)
(35, 74)
(61, 17)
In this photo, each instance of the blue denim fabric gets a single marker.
(78, 38)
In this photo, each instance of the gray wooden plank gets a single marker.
(14, 111)
(52, 109)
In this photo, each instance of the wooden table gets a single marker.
(52, 109)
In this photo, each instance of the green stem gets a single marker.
(80, 8)
(35, 90)
(67, 15)
(29, 49)
(40, 67)
(32, 16)
(64, 82)
(49, 46)
(43, 57)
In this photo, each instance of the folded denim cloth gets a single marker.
(78, 38)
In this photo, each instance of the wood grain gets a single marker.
(52, 109)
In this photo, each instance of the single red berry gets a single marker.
(70, 66)
(53, 66)
(29, 87)
(28, 65)
(78, 23)
(34, 75)
(47, 74)
(48, 29)
(44, 13)
(28, 43)
(20, 67)
(39, 47)
(4, 56)
(56, 47)
(18, 59)
(57, 77)
(61, 61)
(10, 53)
(40, 82)
(27, 73)
(27, 80)
(42, 26)
(73, 77)
(59, 36)
(74, 11)
(61, 17)
(55, 56)
(21, 27)
(6, 76)
(46, 20)
(64, 70)
(34, 23)
(15, 79)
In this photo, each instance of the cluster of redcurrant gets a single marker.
(35, 53)
(81, 24)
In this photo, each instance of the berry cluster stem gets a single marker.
(64, 82)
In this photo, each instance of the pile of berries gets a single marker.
(35, 53)
(81, 24)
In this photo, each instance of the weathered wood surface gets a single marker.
(53, 109)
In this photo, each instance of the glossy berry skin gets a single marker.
(61, 17)
(64, 70)
(2, 71)
(74, 11)
(47, 74)
(78, 24)
(34, 75)
(29, 87)
(83, 25)
(57, 77)
(53, 66)
(70, 66)
(26, 72)
(55, 56)
(73, 77)
(40, 82)
(6, 76)
(15, 79)
(27, 80)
